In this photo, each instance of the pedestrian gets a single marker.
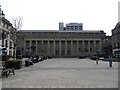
(110, 61)
(96, 60)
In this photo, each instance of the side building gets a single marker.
(57, 43)
(107, 46)
(116, 40)
(7, 36)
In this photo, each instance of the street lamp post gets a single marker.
(42, 49)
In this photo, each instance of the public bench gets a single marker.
(6, 72)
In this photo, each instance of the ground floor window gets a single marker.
(117, 53)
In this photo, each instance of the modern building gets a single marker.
(71, 27)
(116, 40)
(59, 43)
(7, 35)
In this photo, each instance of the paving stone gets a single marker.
(65, 73)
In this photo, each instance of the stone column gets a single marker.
(89, 46)
(36, 47)
(100, 46)
(8, 44)
(83, 46)
(30, 44)
(54, 47)
(66, 48)
(24, 47)
(71, 47)
(94, 46)
(42, 48)
(60, 47)
(77, 49)
(48, 48)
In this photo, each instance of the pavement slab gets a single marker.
(65, 73)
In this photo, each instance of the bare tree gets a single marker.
(17, 22)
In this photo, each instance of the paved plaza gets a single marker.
(65, 73)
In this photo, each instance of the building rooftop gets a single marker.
(59, 31)
(117, 25)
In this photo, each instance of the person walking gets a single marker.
(96, 60)
(110, 61)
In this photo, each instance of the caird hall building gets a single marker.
(69, 41)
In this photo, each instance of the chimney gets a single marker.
(2, 15)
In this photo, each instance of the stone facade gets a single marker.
(116, 40)
(58, 43)
(107, 46)
(7, 36)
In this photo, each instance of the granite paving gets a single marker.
(65, 73)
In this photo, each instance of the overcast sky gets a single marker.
(46, 14)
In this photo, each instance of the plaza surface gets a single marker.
(65, 73)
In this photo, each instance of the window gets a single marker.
(118, 45)
(80, 27)
(72, 27)
(6, 43)
(67, 27)
(114, 46)
(76, 27)
(7, 26)
(10, 45)
(90, 49)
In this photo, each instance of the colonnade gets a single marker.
(63, 47)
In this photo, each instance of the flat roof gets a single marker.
(59, 31)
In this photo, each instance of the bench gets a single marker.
(7, 72)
